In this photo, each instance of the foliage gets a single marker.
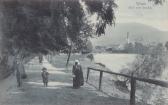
(152, 64)
(47, 26)
(88, 47)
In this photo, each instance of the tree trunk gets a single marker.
(3, 67)
(69, 55)
(6, 65)
(23, 75)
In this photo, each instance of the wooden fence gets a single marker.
(132, 78)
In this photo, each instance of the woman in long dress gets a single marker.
(78, 79)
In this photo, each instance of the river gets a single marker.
(115, 62)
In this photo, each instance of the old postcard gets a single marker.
(83, 52)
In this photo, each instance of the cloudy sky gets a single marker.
(142, 11)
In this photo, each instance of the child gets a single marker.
(44, 75)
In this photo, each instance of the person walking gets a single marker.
(18, 75)
(77, 72)
(40, 58)
(44, 75)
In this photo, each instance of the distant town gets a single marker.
(129, 46)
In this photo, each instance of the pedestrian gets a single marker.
(44, 75)
(77, 72)
(18, 75)
(40, 58)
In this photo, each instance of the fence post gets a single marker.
(100, 79)
(88, 71)
(133, 89)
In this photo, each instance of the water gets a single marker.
(115, 62)
(118, 62)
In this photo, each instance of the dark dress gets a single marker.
(78, 80)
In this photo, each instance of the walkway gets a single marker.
(59, 91)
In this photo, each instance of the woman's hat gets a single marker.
(77, 61)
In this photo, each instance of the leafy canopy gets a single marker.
(42, 26)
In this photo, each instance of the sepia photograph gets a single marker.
(83, 52)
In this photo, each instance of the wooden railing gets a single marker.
(132, 78)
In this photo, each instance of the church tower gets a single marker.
(128, 40)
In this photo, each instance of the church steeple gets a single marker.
(128, 40)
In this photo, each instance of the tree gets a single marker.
(149, 65)
(69, 54)
(38, 26)
(152, 64)
(33, 27)
(88, 47)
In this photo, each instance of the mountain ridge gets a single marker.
(137, 32)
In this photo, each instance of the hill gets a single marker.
(137, 32)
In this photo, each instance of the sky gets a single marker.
(142, 11)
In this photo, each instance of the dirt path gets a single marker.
(59, 91)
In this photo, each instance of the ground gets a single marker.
(59, 91)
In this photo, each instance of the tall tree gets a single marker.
(45, 26)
